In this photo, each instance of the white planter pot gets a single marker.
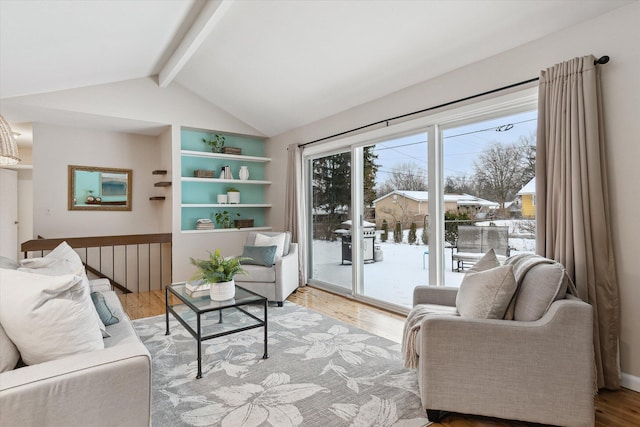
(233, 197)
(222, 291)
(222, 199)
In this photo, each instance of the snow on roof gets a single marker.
(460, 199)
(529, 188)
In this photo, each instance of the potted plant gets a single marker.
(216, 143)
(218, 272)
(223, 218)
(233, 195)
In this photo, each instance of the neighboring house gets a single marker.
(528, 195)
(413, 206)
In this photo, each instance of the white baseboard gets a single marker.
(630, 381)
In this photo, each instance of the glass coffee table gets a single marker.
(205, 319)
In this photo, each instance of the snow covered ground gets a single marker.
(403, 267)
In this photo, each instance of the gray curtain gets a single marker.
(573, 198)
(294, 207)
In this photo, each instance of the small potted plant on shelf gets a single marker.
(216, 143)
(233, 195)
(223, 218)
(218, 272)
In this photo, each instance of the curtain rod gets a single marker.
(602, 60)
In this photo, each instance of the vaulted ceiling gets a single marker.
(274, 64)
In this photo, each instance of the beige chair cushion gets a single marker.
(541, 286)
(486, 294)
(489, 260)
(256, 273)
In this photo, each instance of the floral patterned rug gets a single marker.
(320, 372)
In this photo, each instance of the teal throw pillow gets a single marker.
(260, 255)
(106, 313)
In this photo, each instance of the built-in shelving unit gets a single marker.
(200, 195)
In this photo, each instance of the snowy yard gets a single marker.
(403, 267)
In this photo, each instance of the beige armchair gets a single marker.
(275, 282)
(536, 368)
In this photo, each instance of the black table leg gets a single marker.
(199, 338)
(166, 308)
(266, 353)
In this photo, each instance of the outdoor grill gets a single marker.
(371, 252)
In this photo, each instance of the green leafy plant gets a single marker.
(385, 230)
(412, 234)
(223, 218)
(217, 268)
(216, 143)
(232, 190)
(397, 233)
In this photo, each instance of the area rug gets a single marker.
(320, 372)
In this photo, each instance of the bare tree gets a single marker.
(406, 176)
(502, 170)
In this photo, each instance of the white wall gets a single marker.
(57, 147)
(615, 34)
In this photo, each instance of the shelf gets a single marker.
(162, 184)
(157, 198)
(226, 230)
(159, 172)
(190, 153)
(225, 181)
(228, 205)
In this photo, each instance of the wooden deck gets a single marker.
(613, 408)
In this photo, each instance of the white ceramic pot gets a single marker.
(222, 199)
(222, 291)
(233, 197)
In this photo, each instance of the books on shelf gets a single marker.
(204, 224)
(225, 172)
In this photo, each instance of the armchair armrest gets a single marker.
(287, 273)
(100, 285)
(440, 295)
(107, 387)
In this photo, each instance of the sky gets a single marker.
(462, 145)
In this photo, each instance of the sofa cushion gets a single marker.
(105, 312)
(257, 273)
(9, 354)
(62, 260)
(259, 255)
(541, 286)
(8, 263)
(251, 240)
(47, 317)
(486, 294)
(489, 260)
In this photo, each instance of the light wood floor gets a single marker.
(613, 408)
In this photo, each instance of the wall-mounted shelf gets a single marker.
(162, 184)
(157, 198)
(159, 172)
(225, 181)
(226, 206)
(191, 153)
(226, 230)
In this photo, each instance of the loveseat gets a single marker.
(509, 343)
(109, 386)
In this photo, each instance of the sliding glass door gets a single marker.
(388, 211)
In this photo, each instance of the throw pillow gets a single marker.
(260, 255)
(47, 317)
(106, 313)
(278, 240)
(486, 294)
(9, 354)
(489, 260)
(62, 260)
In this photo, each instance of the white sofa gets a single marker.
(106, 387)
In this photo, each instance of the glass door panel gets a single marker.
(330, 216)
(489, 181)
(394, 207)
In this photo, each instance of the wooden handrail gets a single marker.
(93, 242)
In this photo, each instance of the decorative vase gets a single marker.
(233, 197)
(244, 173)
(222, 291)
